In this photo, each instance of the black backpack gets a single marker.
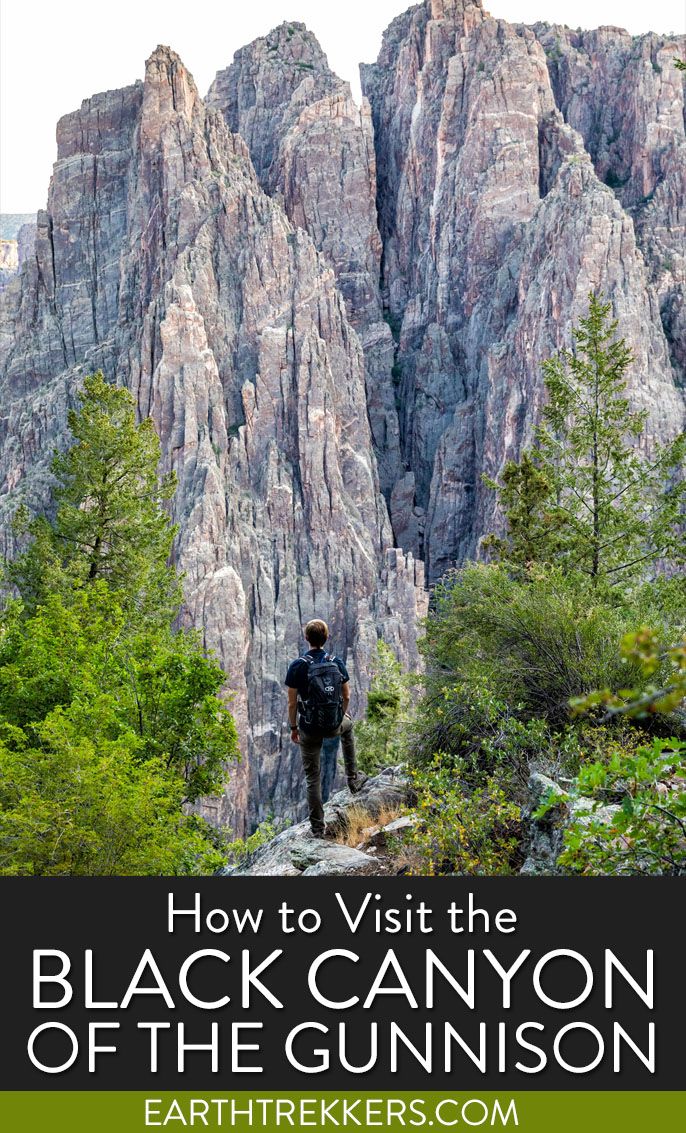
(322, 708)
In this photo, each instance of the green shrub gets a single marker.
(240, 850)
(381, 738)
(539, 638)
(74, 801)
(481, 734)
(463, 830)
(663, 667)
(646, 833)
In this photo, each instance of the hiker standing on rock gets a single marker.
(318, 697)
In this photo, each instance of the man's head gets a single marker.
(316, 633)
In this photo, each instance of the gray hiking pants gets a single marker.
(310, 749)
(329, 758)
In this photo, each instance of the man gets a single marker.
(305, 684)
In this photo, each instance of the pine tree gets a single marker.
(97, 683)
(526, 499)
(110, 521)
(586, 496)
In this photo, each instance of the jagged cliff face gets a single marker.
(626, 98)
(161, 261)
(495, 227)
(313, 148)
(9, 261)
(15, 250)
(316, 312)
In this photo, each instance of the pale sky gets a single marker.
(54, 54)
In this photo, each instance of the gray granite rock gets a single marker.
(315, 322)
(161, 260)
(295, 852)
(544, 835)
(496, 225)
(9, 262)
(313, 149)
(626, 98)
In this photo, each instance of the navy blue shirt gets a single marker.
(296, 677)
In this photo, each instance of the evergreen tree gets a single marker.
(526, 499)
(110, 521)
(586, 497)
(97, 685)
(381, 735)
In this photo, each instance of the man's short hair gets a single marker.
(316, 632)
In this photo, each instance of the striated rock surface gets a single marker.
(322, 304)
(626, 98)
(17, 239)
(313, 148)
(160, 260)
(495, 227)
(9, 261)
(26, 242)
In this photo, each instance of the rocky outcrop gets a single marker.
(312, 147)
(495, 227)
(26, 242)
(9, 261)
(545, 833)
(318, 314)
(296, 853)
(16, 246)
(626, 98)
(161, 261)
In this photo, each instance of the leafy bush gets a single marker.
(240, 850)
(536, 640)
(479, 733)
(461, 830)
(381, 736)
(76, 802)
(667, 663)
(645, 831)
(507, 650)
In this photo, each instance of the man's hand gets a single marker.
(295, 736)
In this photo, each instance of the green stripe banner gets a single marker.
(531, 1111)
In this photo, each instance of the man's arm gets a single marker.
(346, 695)
(293, 713)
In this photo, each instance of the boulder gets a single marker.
(296, 853)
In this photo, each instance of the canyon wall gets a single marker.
(496, 223)
(161, 261)
(336, 315)
(313, 148)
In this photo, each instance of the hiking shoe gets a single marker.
(355, 785)
(320, 834)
